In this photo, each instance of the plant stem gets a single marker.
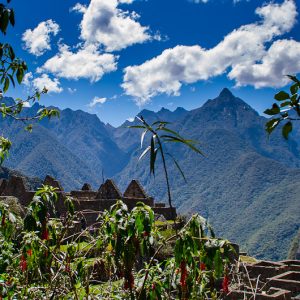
(166, 171)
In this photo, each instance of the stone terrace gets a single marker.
(89, 202)
(269, 280)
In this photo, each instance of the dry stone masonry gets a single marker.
(269, 280)
(89, 202)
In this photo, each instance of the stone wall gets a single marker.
(87, 199)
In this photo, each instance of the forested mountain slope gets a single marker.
(247, 184)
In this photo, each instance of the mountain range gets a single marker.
(246, 184)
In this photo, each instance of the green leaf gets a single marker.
(294, 78)
(153, 152)
(294, 88)
(178, 167)
(143, 136)
(144, 152)
(286, 103)
(12, 17)
(136, 126)
(11, 52)
(272, 124)
(171, 131)
(282, 96)
(273, 111)
(4, 21)
(286, 129)
(11, 79)
(20, 75)
(6, 84)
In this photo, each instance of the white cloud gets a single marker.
(27, 79)
(79, 8)
(97, 100)
(104, 23)
(37, 41)
(72, 91)
(52, 85)
(239, 50)
(87, 62)
(26, 104)
(131, 119)
(282, 58)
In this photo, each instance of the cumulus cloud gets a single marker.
(97, 100)
(86, 62)
(104, 23)
(37, 41)
(79, 8)
(243, 53)
(52, 85)
(282, 58)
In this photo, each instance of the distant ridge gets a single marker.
(247, 185)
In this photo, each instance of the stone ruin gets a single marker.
(89, 202)
(265, 280)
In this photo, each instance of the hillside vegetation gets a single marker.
(247, 185)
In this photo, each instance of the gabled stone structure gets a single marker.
(51, 181)
(86, 187)
(109, 190)
(135, 190)
(90, 202)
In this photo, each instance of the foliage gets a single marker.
(14, 69)
(157, 142)
(40, 258)
(286, 109)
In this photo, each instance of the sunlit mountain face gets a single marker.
(246, 184)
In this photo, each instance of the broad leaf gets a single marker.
(282, 96)
(286, 129)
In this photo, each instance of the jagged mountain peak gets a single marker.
(227, 101)
(180, 109)
(163, 109)
(226, 93)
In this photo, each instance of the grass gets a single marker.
(248, 259)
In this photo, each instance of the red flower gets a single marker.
(184, 273)
(146, 233)
(153, 286)
(23, 264)
(202, 266)
(3, 220)
(29, 252)
(45, 234)
(225, 284)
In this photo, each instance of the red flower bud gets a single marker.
(153, 286)
(45, 234)
(146, 233)
(225, 284)
(202, 266)
(23, 264)
(184, 273)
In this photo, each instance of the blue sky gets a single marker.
(115, 57)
